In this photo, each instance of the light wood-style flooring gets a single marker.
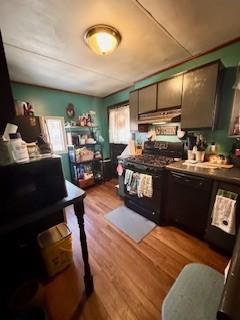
(131, 280)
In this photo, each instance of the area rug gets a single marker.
(131, 223)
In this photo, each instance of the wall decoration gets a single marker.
(166, 130)
(23, 108)
(70, 111)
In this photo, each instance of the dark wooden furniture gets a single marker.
(200, 97)
(133, 105)
(170, 93)
(25, 186)
(147, 99)
(75, 197)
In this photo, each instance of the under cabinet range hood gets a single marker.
(160, 117)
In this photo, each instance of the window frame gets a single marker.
(116, 106)
(46, 133)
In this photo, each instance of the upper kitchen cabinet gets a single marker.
(200, 95)
(133, 104)
(147, 99)
(170, 93)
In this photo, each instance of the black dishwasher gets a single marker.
(187, 204)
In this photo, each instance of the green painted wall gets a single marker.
(230, 56)
(53, 103)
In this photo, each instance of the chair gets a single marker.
(199, 292)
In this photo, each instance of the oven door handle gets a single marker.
(147, 173)
(154, 177)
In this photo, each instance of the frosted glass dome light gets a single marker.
(102, 39)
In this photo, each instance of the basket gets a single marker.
(56, 248)
(84, 157)
(83, 183)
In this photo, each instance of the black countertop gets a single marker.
(228, 175)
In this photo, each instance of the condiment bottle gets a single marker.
(18, 147)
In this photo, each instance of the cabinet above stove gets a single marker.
(191, 97)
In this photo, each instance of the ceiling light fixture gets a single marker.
(102, 39)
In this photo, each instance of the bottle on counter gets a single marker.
(18, 147)
(5, 152)
(213, 148)
(212, 155)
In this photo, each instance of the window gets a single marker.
(119, 124)
(55, 133)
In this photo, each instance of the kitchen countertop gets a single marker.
(228, 175)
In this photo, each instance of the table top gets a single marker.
(75, 195)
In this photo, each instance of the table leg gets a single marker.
(88, 279)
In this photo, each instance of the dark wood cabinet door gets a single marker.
(199, 100)
(170, 93)
(147, 99)
(133, 105)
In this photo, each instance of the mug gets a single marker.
(200, 156)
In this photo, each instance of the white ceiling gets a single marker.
(43, 39)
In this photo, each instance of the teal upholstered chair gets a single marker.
(199, 292)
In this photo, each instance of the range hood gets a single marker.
(160, 117)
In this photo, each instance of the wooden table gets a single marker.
(75, 197)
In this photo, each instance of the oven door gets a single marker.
(151, 208)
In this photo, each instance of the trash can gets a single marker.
(56, 248)
(106, 169)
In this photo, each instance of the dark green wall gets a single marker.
(53, 103)
(230, 56)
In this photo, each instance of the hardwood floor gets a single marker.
(130, 280)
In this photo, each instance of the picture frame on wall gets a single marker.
(166, 130)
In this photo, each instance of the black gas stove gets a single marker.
(156, 161)
(156, 155)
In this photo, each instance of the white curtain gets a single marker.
(119, 125)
